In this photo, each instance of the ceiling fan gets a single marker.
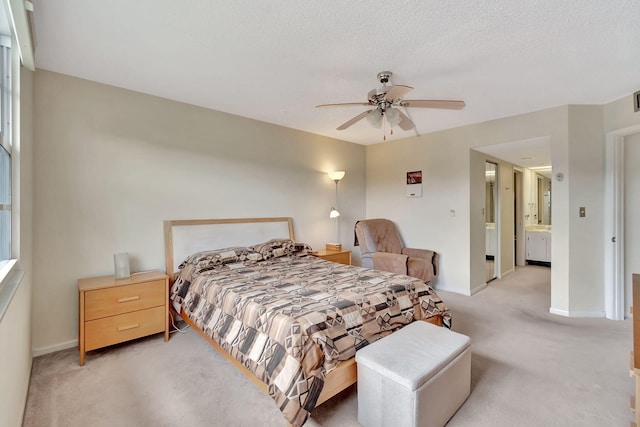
(386, 99)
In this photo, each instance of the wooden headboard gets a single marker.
(184, 237)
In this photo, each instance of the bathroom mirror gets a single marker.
(491, 191)
(491, 217)
(544, 200)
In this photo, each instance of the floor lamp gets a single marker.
(336, 176)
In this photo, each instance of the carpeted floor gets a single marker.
(529, 368)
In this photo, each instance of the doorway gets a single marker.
(520, 162)
(614, 227)
(631, 215)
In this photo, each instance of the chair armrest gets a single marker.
(394, 263)
(418, 253)
(429, 255)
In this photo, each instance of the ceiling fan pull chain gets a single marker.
(384, 128)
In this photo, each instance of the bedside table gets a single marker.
(117, 310)
(342, 256)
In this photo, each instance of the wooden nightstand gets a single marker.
(342, 256)
(117, 310)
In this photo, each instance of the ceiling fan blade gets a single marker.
(355, 119)
(405, 122)
(397, 91)
(432, 103)
(344, 104)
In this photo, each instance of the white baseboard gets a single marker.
(506, 273)
(447, 289)
(586, 314)
(458, 291)
(62, 346)
(478, 288)
(566, 313)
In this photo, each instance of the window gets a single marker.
(5, 149)
(5, 205)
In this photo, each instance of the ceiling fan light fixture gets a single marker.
(375, 118)
(393, 116)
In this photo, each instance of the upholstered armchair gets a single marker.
(381, 248)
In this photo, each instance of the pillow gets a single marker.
(219, 257)
(275, 248)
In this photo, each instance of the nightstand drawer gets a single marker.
(112, 330)
(105, 302)
(342, 256)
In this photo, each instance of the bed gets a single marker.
(288, 320)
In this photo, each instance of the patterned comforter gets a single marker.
(290, 318)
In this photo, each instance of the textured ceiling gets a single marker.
(274, 61)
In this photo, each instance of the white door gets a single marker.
(631, 213)
(614, 234)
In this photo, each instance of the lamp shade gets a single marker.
(336, 175)
(375, 118)
(393, 116)
(121, 263)
(334, 213)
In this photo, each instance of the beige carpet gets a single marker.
(529, 368)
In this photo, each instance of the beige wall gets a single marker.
(477, 221)
(15, 326)
(15, 357)
(426, 222)
(586, 189)
(112, 164)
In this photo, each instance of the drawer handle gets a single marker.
(129, 299)
(125, 328)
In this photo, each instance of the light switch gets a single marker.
(452, 212)
(583, 212)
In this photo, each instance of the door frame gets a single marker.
(497, 269)
(519, 230)
(614, 222)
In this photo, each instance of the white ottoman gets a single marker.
(417, 376)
